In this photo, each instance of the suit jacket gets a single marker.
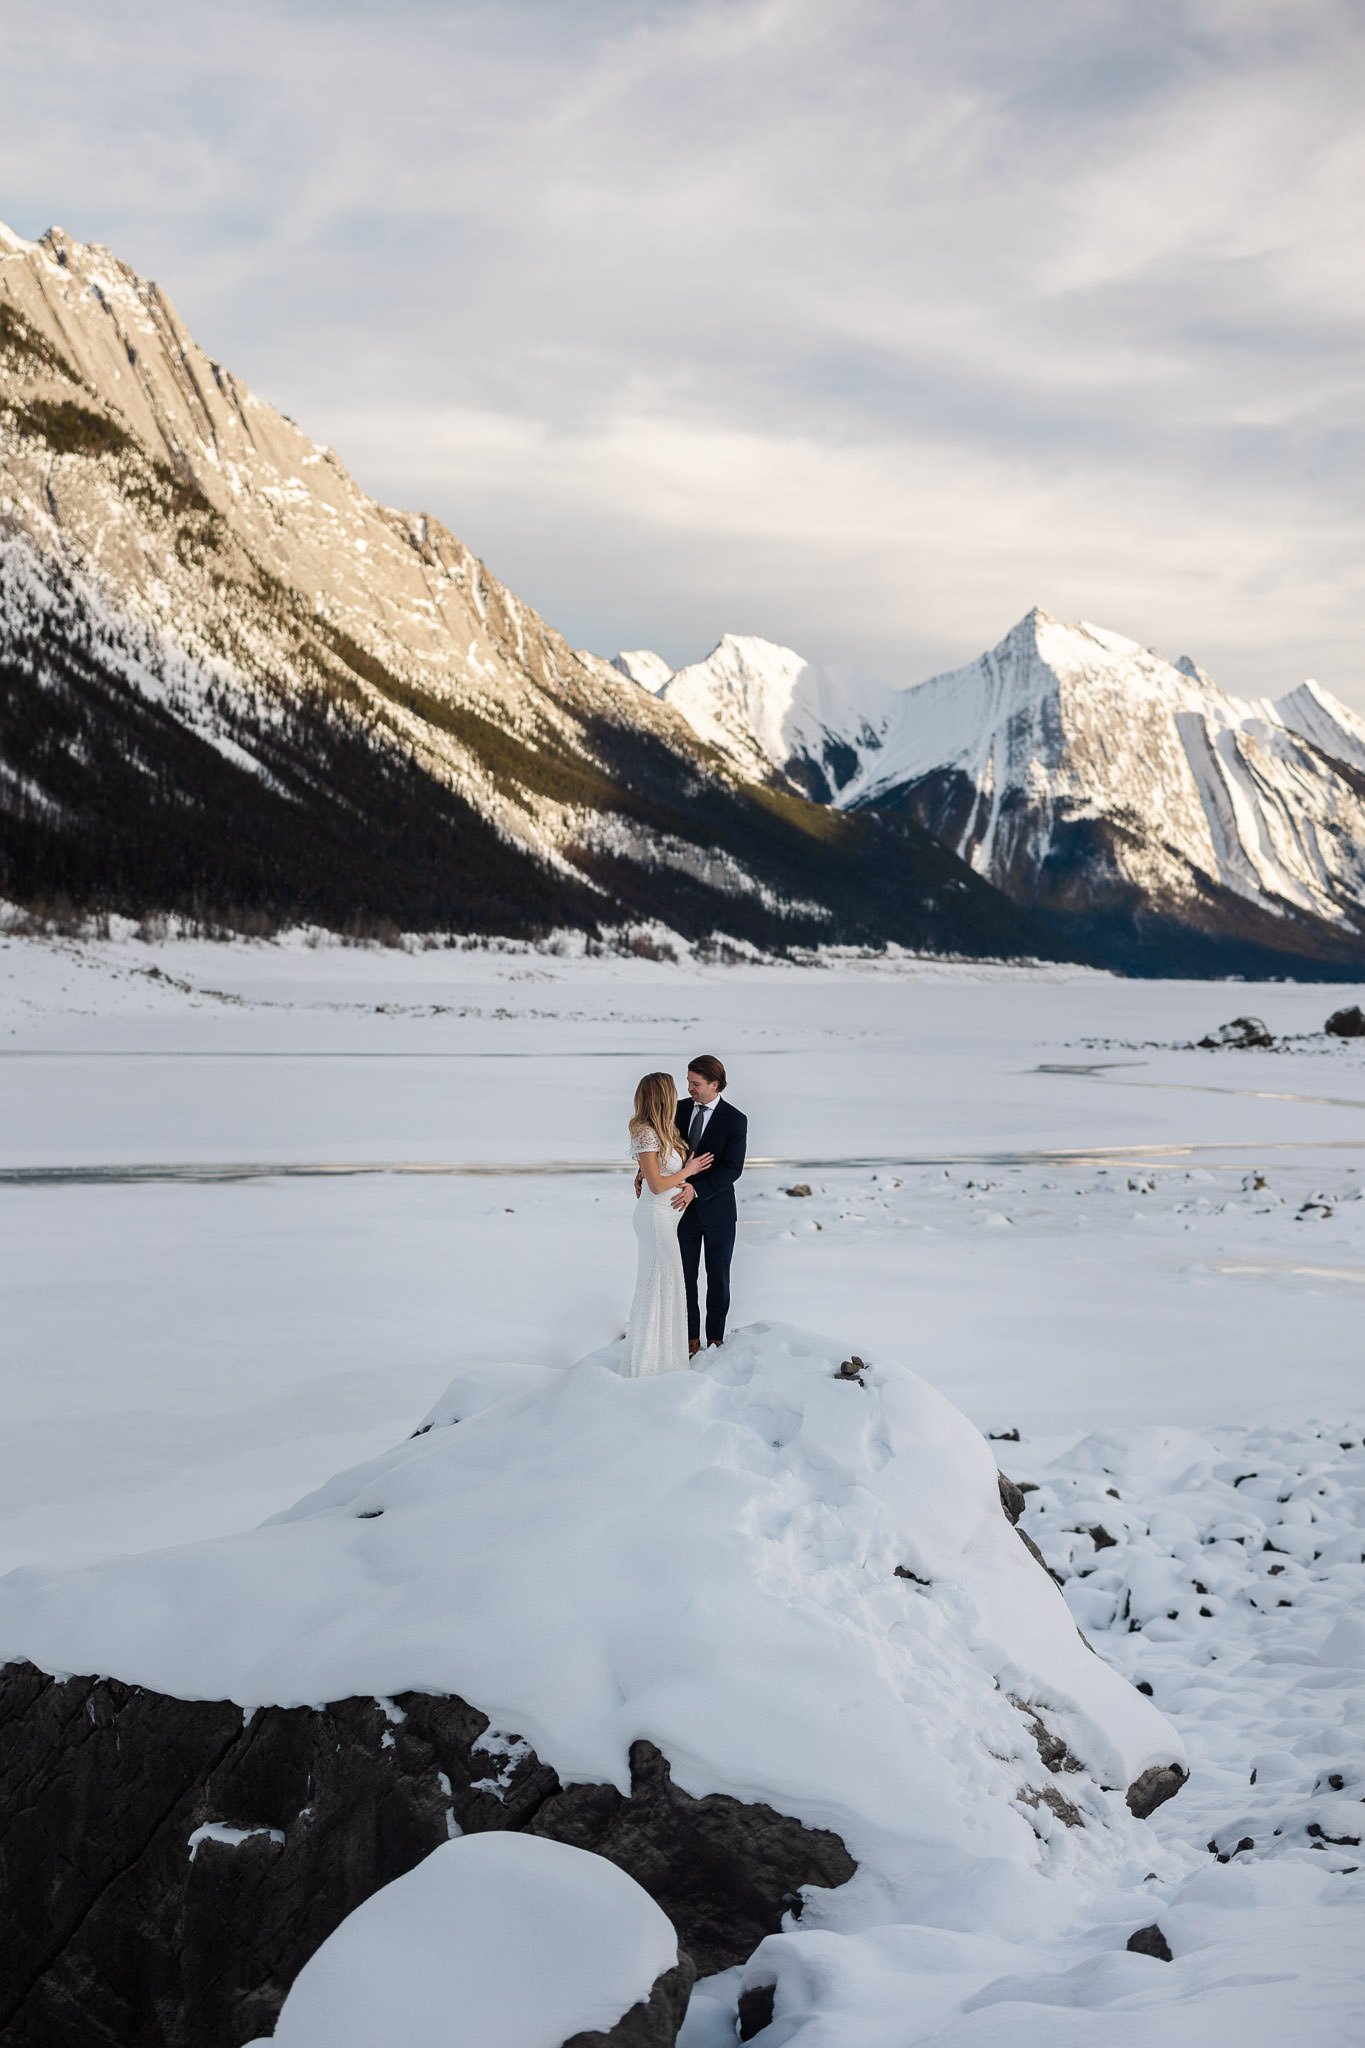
(727, 1136)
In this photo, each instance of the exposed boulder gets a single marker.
(136, 1934)
(1347, 1023)
(1152, 1788)
(1241, 1033)
(1150, 1941)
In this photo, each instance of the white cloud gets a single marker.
(862, 326)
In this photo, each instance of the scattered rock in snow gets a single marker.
(1242, 1032)
(1051, 1747)
(1153, 1788)
(799, 1187)
(1056, 1802)
(1347, 1023)
(1150, 1941)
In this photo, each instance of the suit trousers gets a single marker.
(708, 1227)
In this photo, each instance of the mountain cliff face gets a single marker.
(233, 686)
(1161, 822)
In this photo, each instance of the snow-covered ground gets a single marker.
(259, 1204)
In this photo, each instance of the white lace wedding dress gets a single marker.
(656, 1339)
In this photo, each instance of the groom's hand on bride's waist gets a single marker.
(639, 1183)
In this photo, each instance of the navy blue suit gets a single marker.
(708, 1223)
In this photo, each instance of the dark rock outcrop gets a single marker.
(654, 2023)
(756, 2009)
(724, 1872)
(116, 1936)
(1347, 1023)
(1011, 1498)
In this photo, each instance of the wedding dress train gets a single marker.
(656, 1338)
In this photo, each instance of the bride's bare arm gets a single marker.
(659, 1183)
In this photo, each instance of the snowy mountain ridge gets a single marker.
(1076, 769)
(1062, 727)
(765, 708)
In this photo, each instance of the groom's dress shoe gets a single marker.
(693, 1346)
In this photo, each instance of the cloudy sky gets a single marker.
(856, 324)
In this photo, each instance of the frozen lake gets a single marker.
(259, 1203)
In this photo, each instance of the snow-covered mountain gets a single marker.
(1089, 775)
(766, 709)
(1091, 779)
(644, 667)
(235, 687)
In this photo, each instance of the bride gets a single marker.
(656, 1339)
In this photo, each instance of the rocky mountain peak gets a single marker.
(644, 667)
(1073, 765)
(777, 716)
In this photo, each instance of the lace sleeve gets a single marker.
(643, 1141)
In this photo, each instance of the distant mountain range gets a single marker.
(235, 688)
(1128, 798)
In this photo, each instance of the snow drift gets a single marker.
(454, 1937)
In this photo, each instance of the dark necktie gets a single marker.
(698, 1126)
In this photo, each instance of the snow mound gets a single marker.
(800, 1586)
(517, 1942)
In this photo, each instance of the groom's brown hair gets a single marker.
(709, 1067)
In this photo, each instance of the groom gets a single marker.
(708, 1201)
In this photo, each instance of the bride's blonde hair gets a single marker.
(656, 1102)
